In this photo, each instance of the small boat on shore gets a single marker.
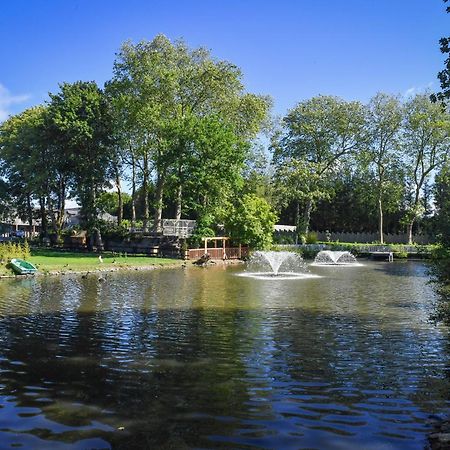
(23, 267)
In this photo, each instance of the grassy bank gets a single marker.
(51, 261)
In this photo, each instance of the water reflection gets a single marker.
(205, 359)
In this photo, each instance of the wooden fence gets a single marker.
(217, 253)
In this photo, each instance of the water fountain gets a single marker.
(277, 265)
(335, 258)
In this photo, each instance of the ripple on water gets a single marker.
(203, 358)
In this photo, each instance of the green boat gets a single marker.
(23, 267)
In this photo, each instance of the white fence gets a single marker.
(182, 228)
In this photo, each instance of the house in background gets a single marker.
(72, 217)
(19, 228)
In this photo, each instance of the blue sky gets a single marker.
(288, 49)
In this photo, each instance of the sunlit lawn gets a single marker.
(52, 261)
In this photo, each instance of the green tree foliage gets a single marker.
(442, 203)
(444, 75)
(166, 93)
(81, 124)
(318, 135)
(252, 222)
(109, 202)
(354, 208)
(26, 160)
(426, 137)
(384, 119)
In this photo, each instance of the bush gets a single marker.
(112, 231)
(311, 238)
(203, 229)
(284, 238)
(10, 250)
(252, 222)
(308, 253)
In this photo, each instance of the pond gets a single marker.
(204, 358)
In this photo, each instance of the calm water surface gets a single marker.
(203, 358)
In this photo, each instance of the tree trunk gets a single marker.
(61, 207)
(120, 198)
(52, 213)
(30, 214)
(133, 192)
(307, 216)
(157, 226)
(43, 213)
(179, 202)
(297, 214)
(380, 219)
(409, 232)
(297, 221)
(410, 225)
(145, 194)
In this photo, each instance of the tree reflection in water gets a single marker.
(202, 358)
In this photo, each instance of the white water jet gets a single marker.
(336, 258)
(277, 265)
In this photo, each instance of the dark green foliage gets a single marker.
(109, 202)
(112, 231)
(444, 75)
(252, 222)
(442, 202)
(440, 272)
(82, 126)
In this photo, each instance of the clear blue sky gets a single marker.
(289, 49)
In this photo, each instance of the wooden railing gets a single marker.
(218, 253)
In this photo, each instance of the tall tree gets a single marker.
(317, 136)
(425, 141)
(165, 88)
(385, 115)
(81, 124)
(442, 203)
(26, 161)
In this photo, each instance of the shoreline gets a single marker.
(180, 264)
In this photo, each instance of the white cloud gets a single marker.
(7, 100)
(413, 90)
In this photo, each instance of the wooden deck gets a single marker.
(218, 253)
(382, 255)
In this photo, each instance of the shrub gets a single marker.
(9, 250)
(112, 231)
(311, 238)
(252, 222)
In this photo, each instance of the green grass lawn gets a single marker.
(61, 261)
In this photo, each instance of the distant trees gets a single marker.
(442, 203)
(426, 143)
(359, 160)
(81, 127)
(384, 120)
(317, 136)
(25, 160)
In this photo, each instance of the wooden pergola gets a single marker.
(215, 239)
